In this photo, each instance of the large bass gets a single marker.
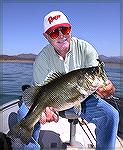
(61, 91)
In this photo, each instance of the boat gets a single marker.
(64, 135)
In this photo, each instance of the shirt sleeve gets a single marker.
(91, 55)
(40, 68)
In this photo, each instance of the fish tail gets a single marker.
(20, 132)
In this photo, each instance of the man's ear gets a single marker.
(45, 35)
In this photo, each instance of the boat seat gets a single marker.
(24, 87)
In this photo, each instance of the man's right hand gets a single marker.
(49, 115)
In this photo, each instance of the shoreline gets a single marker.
(32, 61)
(17, 61)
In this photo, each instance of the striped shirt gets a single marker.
(81, 55)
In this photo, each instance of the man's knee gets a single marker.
(114, 115)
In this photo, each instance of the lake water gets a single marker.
(14, 75)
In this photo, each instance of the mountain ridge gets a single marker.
(31, 57)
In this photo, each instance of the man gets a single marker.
(65, 53)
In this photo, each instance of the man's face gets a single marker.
(59, 38)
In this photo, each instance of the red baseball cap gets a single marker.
(54, 20)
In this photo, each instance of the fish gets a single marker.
(60, 91)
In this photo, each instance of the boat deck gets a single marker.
(54, 136)
(57, 134)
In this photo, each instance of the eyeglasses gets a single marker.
(55, 33)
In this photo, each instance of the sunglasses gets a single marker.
(55, 33)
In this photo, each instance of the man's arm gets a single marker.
(40, 68)
(107, 89)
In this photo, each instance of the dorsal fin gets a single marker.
(52, 77)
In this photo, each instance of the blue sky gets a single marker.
(97, 23)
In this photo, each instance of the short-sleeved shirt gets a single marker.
(81, 55)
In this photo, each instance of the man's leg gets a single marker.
(33, 145)
(104, 116)
(106, 119)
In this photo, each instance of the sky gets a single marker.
(97, 23)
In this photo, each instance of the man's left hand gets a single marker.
(106, 90)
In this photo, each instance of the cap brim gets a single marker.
(56, 26)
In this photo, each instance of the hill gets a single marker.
(111, 59)
(20, 57)
(31, 57)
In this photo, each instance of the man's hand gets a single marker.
(106, 90)
(49, 115)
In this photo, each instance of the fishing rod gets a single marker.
(81, 122)
(84, 123)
